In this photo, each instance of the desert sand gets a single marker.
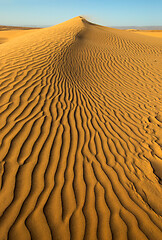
(150, 33)
(80, 138)
(8, 32)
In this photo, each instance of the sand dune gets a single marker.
(8, 33)
(148, 33)
(80, 136)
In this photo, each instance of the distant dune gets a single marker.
(80, 134)
(140, 27)
(9, 32)
(149, 33)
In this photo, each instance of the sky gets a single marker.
(104, 12)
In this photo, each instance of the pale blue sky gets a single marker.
(105, 12)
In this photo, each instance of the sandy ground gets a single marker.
(150, 33)
(80, 138)
(7, 33)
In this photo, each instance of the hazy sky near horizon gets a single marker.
(105, 12)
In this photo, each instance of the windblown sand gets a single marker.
(150, 33)
(80, 137)
(8, 33)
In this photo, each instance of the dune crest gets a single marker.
(80, 136)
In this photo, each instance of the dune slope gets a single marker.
(80, 138)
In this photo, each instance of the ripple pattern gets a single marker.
(80, 138)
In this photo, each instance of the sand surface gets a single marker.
(8, 33)
(80, 138)
(150, 33)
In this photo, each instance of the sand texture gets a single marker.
(8, 33)
(149, 33)
(80, 138)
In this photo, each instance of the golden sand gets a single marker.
(10, 34)
(149, 33)
(80, 137)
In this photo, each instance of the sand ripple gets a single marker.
(80, 137)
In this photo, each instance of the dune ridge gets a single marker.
(80, 134)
